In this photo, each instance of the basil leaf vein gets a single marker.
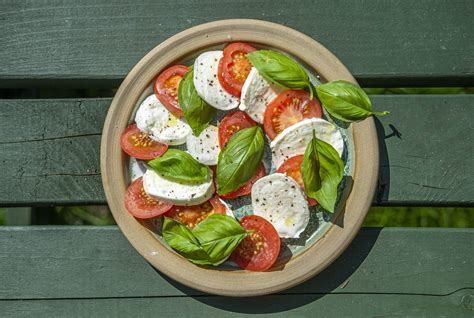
(219, 235)
(310, 169)
(196, 111)
(239, 159)
(180, 238)
(280, 69)
(331, 172)
(179, 166)
(346, 101)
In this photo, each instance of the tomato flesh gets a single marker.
(292, 168)
(232, 123)
(287, 109)
(139, 145)
(192, 215)
(140, 204)
(234, 67)
(246, 188)
(259, 250)
(166, 88)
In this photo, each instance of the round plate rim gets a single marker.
(214, 280)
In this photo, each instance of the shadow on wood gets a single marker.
(383, 186)
(332, 280)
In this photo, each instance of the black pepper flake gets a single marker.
(200, 63)
(293, 187)
(257, 200)
(193, 195)
(207, 136)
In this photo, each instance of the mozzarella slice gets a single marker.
(279, 199)
(153, 118)
(257, 93)
(205, 147)
(174, 192)
(293, 140)
(207, 83)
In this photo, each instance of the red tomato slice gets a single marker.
(139, 145)
(292, 168)
(166, 88)
(246, 188)
(142, 206)
(192, 215)
(232, 123)
(259, 250)
(234, 67)
(288, 108)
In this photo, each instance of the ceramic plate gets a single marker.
(326, 236)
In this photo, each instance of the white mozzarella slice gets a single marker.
(153, 118)
(279, 199)
(205, 147)
(174, 192)
(207, 83)
(293, 140)
(257, 93)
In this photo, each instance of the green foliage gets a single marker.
(419, 217)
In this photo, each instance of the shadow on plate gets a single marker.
(333, 279)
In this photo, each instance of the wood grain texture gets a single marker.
(345, 305)
(99, 262)
(87, 270)
(95, 43)
(429, 164)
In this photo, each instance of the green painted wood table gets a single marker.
(49, 155)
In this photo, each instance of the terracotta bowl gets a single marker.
(315, 256)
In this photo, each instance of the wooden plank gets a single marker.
(341, 305)
(51, 156)
(95, 43)
(97, 262)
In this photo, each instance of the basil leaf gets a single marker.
(331, 172)
(239, 159)
(346, 101)
(180, 238)
(280, 69)
(219, 235)
(179, 166)
(196, 111)
(310, 167)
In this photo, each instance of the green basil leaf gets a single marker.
(219, 235)
(239, 159)
(280, 69)
(196, 111)
(331, 172)
(346, 101)
(310, 167)
(180, 238)
(179, 166)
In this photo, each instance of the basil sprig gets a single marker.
(196, 111)
(346, 101)
(179, 166)
(239, 159)
(331, 172)
(280, 69)
(209, 243)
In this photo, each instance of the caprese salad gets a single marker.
(196, 164)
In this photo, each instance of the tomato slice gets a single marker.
(292, 168)
(166, 88)
(140, 204)
(246, 188)
(139, 145)
(234, 67)
(259, 250)
(288, 108)
(232, 123)
(192, 215)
